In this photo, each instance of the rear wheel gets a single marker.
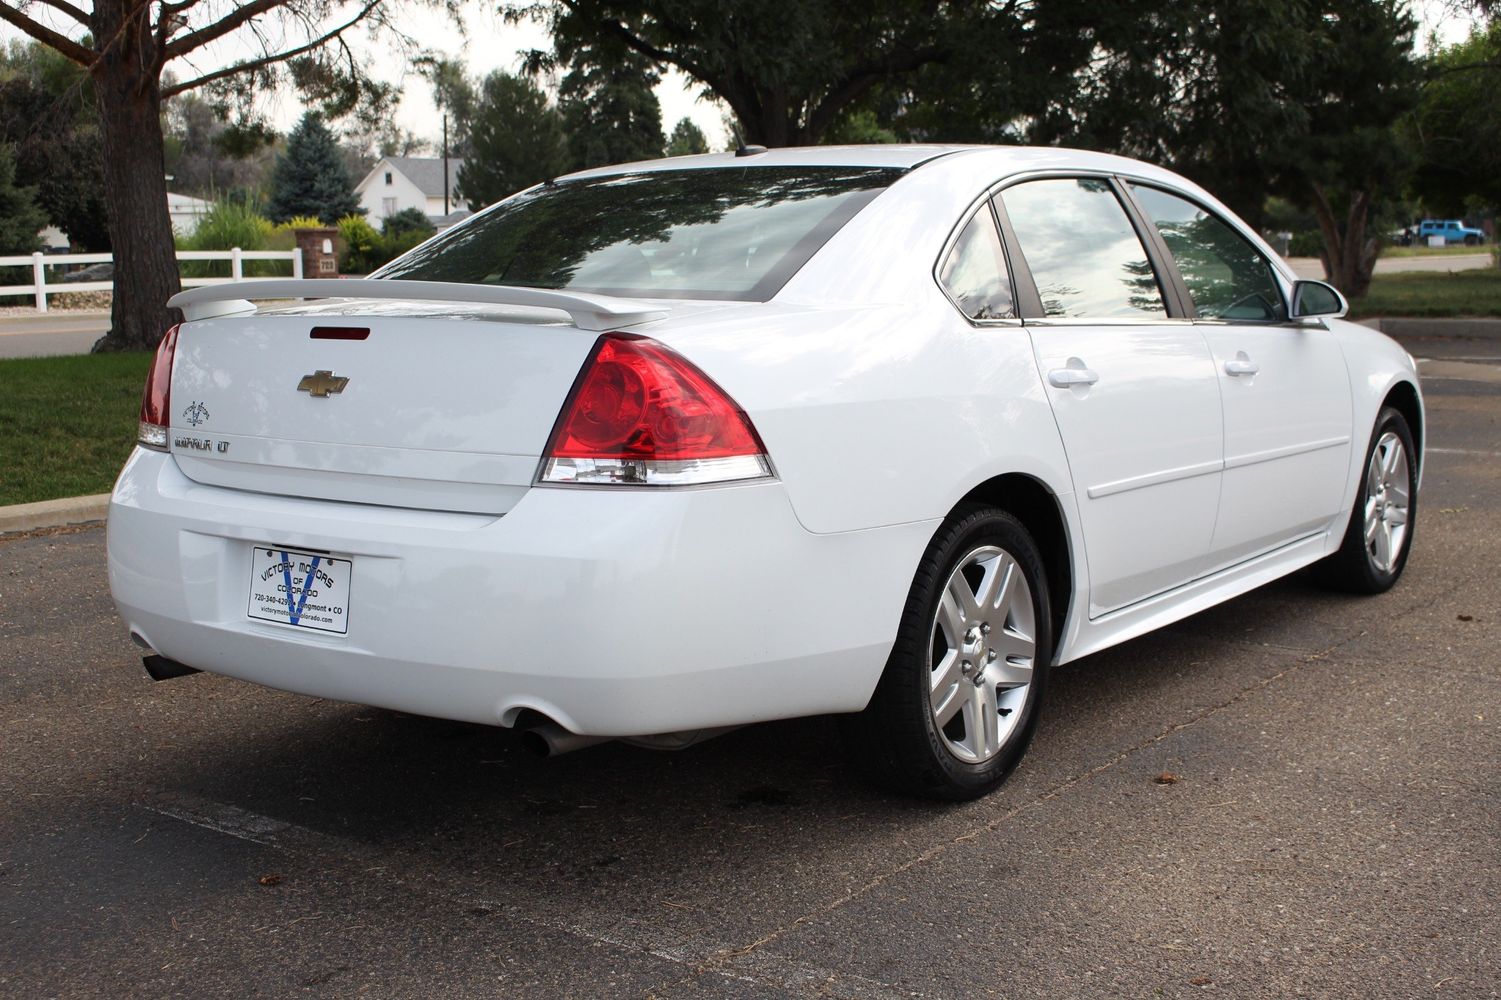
(958, 702)
(1379, 535)
(1471, 241)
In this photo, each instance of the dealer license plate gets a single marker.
(304, 589)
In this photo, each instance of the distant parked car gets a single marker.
(94, 272)
(1452, 230)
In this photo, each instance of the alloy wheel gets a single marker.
(984, 642)
(1388, 502)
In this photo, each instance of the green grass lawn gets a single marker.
(1417, 293)
(67, 424)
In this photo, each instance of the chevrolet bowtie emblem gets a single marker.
(322, 383)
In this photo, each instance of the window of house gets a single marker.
(388, 177)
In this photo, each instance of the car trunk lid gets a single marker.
(431, 406)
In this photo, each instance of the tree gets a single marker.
(516, 141)
(1257, 97)
(857, 127)
(788, 70)
(455, 97)
(310, 178)
(1456, 129)
(687, 139)
(47, 114)
(209, 157)
(610, 110)
(20, 217)
(1357, 84)
(126, 46)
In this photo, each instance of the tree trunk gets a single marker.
(128, 89)
(1349, 256)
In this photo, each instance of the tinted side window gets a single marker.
(1083, 252)
(1226, 276)
(975, 271)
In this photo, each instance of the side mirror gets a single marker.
(1313, 299)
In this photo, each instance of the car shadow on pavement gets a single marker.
(381, 780)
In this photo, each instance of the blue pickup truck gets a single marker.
(1452, 231)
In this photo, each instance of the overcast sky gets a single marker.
(486, 44)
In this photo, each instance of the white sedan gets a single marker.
(655, 450)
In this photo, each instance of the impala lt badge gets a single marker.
(322, 383)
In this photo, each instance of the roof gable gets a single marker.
(426, 172)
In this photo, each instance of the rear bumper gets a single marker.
(613, 612)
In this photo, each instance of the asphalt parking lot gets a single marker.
(1295, 794)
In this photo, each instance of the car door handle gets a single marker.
(1241, 365)
(1066, 378)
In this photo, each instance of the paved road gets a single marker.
(1310, 267)
(1335, 829)
(40, 334)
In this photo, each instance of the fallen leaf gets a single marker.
(1201, 981)
(1465, 618)
(269, 880)
(1167, 778)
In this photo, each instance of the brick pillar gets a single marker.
(320, 251)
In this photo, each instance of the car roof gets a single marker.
(900, 156)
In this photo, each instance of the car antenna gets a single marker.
(750, 150)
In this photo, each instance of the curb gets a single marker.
(1417, 327)
(53, 513)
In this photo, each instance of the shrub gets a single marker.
(361, 245)
(301, 222)
(397, 243)
(235, 224)
(365, 249)
(408, 220)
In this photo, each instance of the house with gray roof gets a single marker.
(400, 182)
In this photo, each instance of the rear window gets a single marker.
(718, 233)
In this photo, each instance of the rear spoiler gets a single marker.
(588, 312)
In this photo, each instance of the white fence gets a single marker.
(40, 288)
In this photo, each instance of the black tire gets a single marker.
(1471, 241)
(1354, 567)
(896, 741)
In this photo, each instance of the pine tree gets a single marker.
(687, 139)
(515, 140)
(610, 112)
(20, 218)
(310, 178)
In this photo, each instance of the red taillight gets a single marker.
(156, 401)
(641, 415)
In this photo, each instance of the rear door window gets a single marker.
(1083, 252)
(1227, 277)
(714, 233)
